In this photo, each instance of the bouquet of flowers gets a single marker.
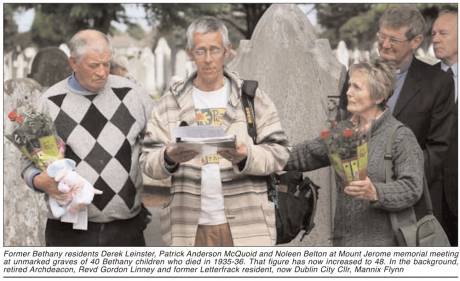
(347, 150)
(34, 134)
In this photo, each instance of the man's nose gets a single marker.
(386, 43)
(102, 70)
(207, 56)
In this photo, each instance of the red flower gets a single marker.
(20, 119)
(324, 134)
(12, 115)
(347, 132)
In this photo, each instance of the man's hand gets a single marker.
(235, 155)
(178, 154)
(364, 189)
(48, 185)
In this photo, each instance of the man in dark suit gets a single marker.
(423, 96)
(445, 44)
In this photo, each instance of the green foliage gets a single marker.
(333, 16)
(173, 19)
(135, 31)
(56, 23)
(357, 24)
(10, 28)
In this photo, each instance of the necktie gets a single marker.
(450, 72)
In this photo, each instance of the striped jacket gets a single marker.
(248, 211)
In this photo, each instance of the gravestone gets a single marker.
(50, 66)
(20, 65)
(29, 54)
(183, 66)
(7, 66)
(283, 55)
(24, 211)
(65, 49)
(162, 64)
(147, 60)
(342, 54)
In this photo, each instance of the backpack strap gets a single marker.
(248, 90)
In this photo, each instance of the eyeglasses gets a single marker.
(214, 52)
(393, 41)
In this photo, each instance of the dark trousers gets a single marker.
(450, 224)
(116, 233)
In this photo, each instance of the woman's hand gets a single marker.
(363, 189)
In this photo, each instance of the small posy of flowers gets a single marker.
(33, 133)
(347, 150)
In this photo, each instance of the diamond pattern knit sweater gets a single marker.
(103, 134)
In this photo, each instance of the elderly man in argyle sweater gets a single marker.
(101, 119)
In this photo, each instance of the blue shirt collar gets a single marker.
(74, 84)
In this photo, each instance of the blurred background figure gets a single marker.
(119, 66)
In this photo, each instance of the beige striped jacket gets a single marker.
(249, 212)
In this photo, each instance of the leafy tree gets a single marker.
(333, 16)
(357, 24)
(135, 31)
(56, 23)
(10, 28)
(172, 19)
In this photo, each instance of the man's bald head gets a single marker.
(88, 40)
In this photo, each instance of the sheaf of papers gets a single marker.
(198, 138)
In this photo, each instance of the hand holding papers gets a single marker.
(198, 138)
(193, 140)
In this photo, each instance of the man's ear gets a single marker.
(416, 42)
(73, 63)
(190, 54)
(228, 51)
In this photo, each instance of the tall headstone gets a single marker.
(147, 60)
(24, 211)
(162, 64)
(50, 66)
(29, 54)
(183, 66)
(342, 54)
(20, 65)
(8, 66)
(283, 56)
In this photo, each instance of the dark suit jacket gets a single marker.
(450, 182)
(425, 105)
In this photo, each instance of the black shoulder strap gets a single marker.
(248, 89)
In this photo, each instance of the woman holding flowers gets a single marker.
(363, 206)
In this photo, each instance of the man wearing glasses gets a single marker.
(217, 199)
(423, 97)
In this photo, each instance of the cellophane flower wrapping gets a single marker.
(347, 150)
(34, 134)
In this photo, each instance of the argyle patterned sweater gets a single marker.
(103, 134)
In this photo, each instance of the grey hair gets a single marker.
(404, 16)
(448, 12)
(83, 41)
(206, 25)
(380, 76)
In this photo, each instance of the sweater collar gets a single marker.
(377, 124)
